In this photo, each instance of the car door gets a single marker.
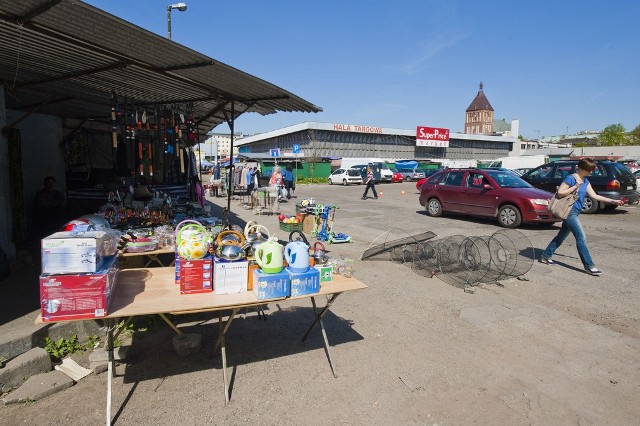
(451, 193)
(336, 176)
(542, 177)
(479, 200)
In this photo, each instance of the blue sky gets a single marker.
(557, 66)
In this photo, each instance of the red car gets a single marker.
(428, 173)
(397, 177)
(490, 193)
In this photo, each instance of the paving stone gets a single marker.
(38, 386)
(187, 344)
(34, 361)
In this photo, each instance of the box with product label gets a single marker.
(73, 252)
(271, 286)
(78, 296)
(326, 272)
(177, 267)
(304, 282)
(196, 276)
(230, 276)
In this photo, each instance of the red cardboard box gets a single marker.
(77, 296)
(196, 276)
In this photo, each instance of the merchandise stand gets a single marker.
(153, 291)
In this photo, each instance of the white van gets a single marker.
(379, 166)
(519, 162)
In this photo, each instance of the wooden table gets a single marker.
(153, 291)
(151, 257)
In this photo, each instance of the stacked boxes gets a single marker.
(78, 296)
(78, 252)
(195, 276)
(326, 273)
(304, 282)
(271, 286)
(230, 276)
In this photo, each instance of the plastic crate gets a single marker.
(289, 227)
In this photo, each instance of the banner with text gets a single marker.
(432, 136)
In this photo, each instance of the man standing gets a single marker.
(287, 176)
(371, 183)
(48, 208)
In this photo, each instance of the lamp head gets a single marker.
(180, 6)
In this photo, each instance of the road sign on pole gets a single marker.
(296, 149)
(274, 152)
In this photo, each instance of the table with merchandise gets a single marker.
(152, 291)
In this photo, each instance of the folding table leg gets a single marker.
(319, 314)
(223, 327)
(168, 321)
(110, 366)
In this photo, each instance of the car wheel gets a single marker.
(610, 207)
(434, 208)
(344, 182)
(330, 181)
(509, 216)
(589, 206)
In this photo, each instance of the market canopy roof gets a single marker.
(66, 58)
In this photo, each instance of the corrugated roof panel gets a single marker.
(52, 50)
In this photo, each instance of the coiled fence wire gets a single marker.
(460, 260)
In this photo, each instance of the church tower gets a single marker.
(479, 120)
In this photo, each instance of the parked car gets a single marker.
(345, 176)
(637, 176)
(489, 193)
(397, 176)
(427, 173)
(609, 179)
(522, 170)
(411, 174)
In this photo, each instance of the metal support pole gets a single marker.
(169, 22)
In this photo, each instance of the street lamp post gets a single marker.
(181, 7)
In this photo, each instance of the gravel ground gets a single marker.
(557, 347)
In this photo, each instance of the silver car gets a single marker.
(411, 174)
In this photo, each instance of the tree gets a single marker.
(634, 136)
(612, 135)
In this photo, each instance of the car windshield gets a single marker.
(507, 179)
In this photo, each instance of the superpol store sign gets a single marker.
(432, 136)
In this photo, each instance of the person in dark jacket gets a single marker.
(287, 176)
(371, 183)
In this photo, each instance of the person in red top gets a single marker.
(276, 181)
(371, 183)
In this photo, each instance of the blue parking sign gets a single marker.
(296, 149)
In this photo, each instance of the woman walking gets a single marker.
(577, 182)
(371, 183)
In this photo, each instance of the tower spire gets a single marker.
(481, 85)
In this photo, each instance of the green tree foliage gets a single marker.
(612, 135)
(634, 136)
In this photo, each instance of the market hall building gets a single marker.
(335, 140)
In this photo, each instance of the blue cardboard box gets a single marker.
(271, 286)
(304, 282)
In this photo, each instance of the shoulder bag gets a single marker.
(560, 207)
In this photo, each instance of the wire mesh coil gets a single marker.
(461, 260)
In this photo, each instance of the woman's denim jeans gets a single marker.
(571, 224)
